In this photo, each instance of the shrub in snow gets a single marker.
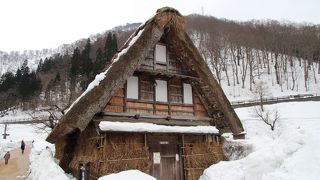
(129, 174)
(236, 149)
(268, 116)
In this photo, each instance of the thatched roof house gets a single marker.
(192, 98)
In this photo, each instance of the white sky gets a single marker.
(38, 24)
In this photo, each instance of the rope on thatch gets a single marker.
(169, 18)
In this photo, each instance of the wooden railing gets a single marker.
(298, 97)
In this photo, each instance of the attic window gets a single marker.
(187, 94)
(161, 91)
(132, 87)
(161, 54)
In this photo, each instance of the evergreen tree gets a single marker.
(47, 64)
(25, 70)
(7, 81)
(57, 78)
(75, 59)
(18, 75)
(114, 46)
(39, 68)
(34, 84)
(100, 61)
(27, 82)
(108, 47)
(85, 60)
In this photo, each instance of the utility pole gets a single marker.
(5, 132)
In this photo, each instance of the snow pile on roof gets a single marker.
(149, 127)
(129, 174)
(101, 76)
(289, 152)
(43, 164)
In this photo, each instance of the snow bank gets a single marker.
(43, 164)
(149, 127)
(130, 174)
(289, 152)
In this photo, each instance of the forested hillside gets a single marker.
(240, 54)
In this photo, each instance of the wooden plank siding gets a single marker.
(173, 65)
(174, 72)
(146, 104)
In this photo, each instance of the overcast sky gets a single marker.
(38, 24)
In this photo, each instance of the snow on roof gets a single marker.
(101, 76)
(155, 128)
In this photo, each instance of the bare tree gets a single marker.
(269, 117)
(50, 121)
(261, 91)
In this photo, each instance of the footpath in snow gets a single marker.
(18, 165)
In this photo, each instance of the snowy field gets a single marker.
(237, 93)
(289, 152)
(20, 115)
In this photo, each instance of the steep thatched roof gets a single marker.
(166, 21)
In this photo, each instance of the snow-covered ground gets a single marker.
(238, 93)
(20, 115)
(289, 152)
(18, 132)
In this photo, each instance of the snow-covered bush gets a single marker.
(236, 149)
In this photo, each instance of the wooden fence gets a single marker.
(290, 98)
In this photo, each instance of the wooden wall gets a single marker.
(175, 73)
(109, 152)
(200, 152)
(146, 104)
(173, 65)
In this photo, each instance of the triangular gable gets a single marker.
(135, 50)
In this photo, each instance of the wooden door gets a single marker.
(168, 168)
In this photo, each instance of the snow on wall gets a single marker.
(149, 127)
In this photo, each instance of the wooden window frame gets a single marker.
(155, 55)
(155, 92)
(126, 90)
(184, 93)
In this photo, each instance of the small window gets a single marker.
(160, 54)
(187, 94)
(132, 87)
(161, 91)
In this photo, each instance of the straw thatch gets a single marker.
(167, 22)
